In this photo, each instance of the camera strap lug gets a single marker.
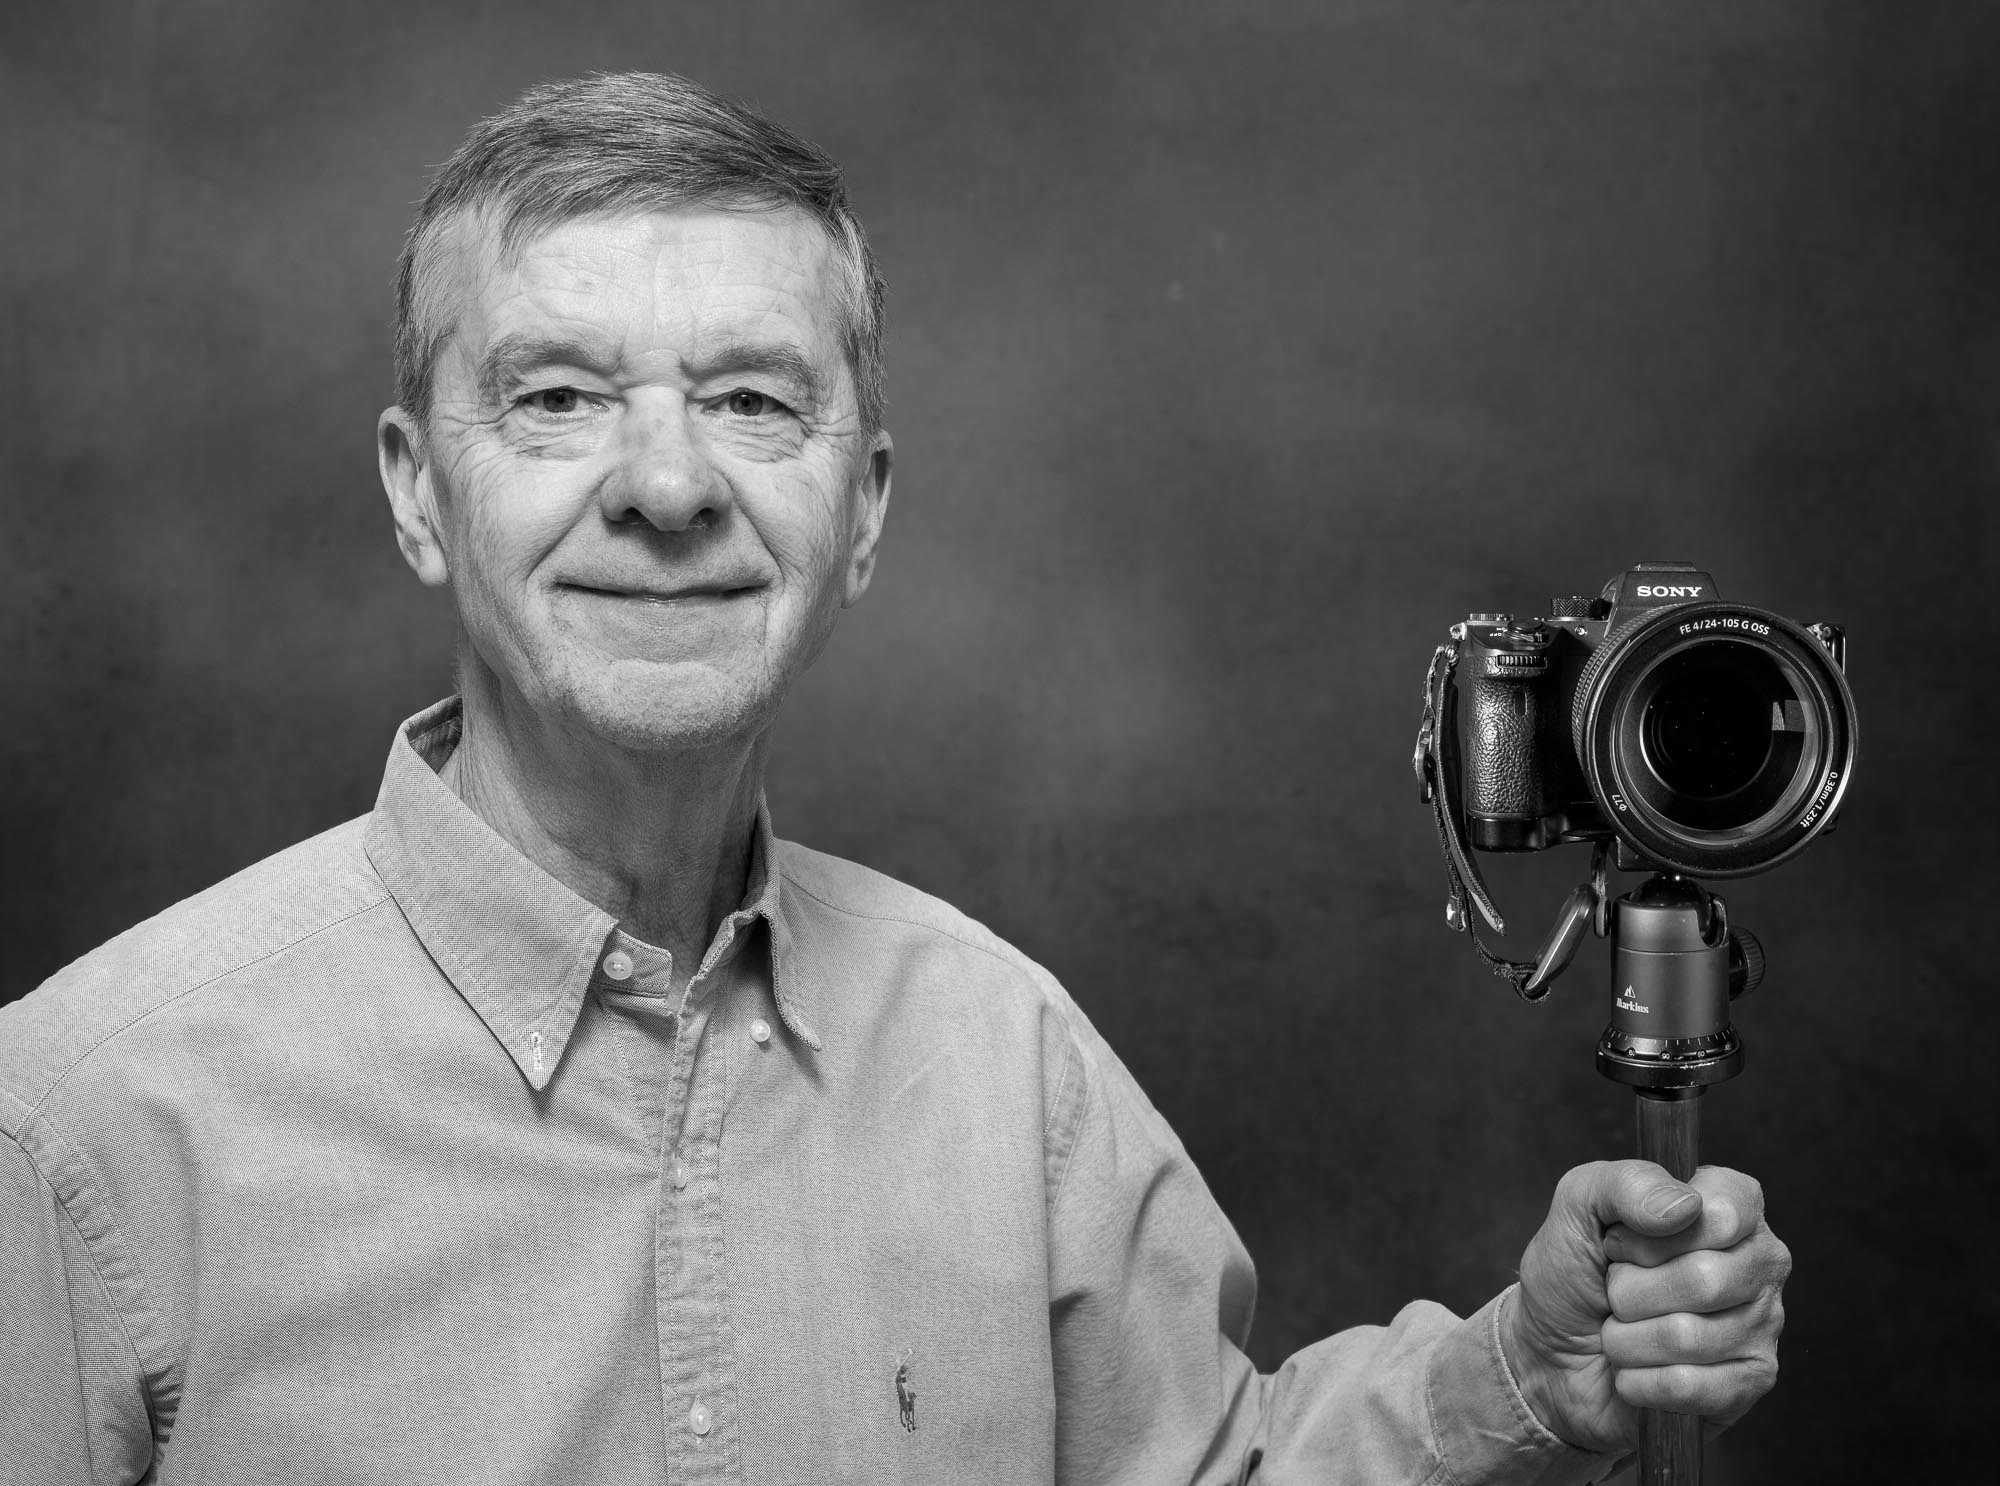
(1833, 640)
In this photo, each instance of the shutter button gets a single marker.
(618, 965)
(698, 1419)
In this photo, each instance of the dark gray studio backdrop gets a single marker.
(1236, 350)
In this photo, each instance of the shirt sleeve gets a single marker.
(75, 1411)
(1150, 1303)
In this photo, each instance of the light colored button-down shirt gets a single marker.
(392, 1160)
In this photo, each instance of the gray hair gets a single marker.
(626, 142)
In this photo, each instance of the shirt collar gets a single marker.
(517, 944)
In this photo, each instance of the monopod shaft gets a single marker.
(1669, 1134)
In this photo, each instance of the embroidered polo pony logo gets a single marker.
(906, 1390)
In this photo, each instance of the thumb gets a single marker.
(1667, 1208)
(1643, 1197)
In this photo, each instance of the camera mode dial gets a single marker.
(1510, 648)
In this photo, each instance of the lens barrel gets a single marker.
(1718, 738)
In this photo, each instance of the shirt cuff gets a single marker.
(1484, 1429)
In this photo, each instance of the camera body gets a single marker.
(1702, 736)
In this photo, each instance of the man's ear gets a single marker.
(407, 477)
(871, 496)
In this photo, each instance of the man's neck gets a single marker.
(660, 841)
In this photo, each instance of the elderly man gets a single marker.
(557, 1122)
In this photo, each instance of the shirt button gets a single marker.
(698, 1419)
(680, 1173)
(760, 1030)
(618, 965)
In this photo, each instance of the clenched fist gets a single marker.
(1642, 1292)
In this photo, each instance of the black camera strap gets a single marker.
(1437, 769)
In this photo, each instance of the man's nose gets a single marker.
(663, 474)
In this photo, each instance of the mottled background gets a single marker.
(1237, 349)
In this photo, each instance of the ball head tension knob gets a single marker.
(1746, 963)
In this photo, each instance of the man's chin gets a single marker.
(642, 707)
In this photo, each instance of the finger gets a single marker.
(1742, 1333)
(1720, 1390)
(1704, 1281)
(1636, 1195)
(1732, 1207)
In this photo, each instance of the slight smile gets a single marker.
(667, 597)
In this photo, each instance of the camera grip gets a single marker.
(1503, 759)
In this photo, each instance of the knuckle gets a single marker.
(1781, 1260)
(1738, 1191)
(1760, 1375)
(1724, 1223)
(1620, 1343)
(1641, 1179)
(1629, 1176)
(1703, 1275)
(1750, 1196)
(1577, 1182)
(1681, 1382)
(1681, 1333)
(1620, 1281)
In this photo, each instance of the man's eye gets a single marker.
(556, 402)
(747, 404)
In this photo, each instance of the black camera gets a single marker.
(1703, 737)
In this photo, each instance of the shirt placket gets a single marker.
(678, 1060)
(697, 1345)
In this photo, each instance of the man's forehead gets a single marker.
(691, 271)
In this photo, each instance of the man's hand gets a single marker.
(1641, 1292)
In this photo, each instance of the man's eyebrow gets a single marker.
(516, 352)
(775, 359)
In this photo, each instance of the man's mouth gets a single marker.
(688, 593)
(666, 621)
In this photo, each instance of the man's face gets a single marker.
(645, 474)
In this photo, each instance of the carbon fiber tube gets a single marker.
(1669, 1133)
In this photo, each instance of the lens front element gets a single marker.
(1718, 739)
(1722, 730)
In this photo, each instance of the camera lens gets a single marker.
(1717, 739)
(1721, 731)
